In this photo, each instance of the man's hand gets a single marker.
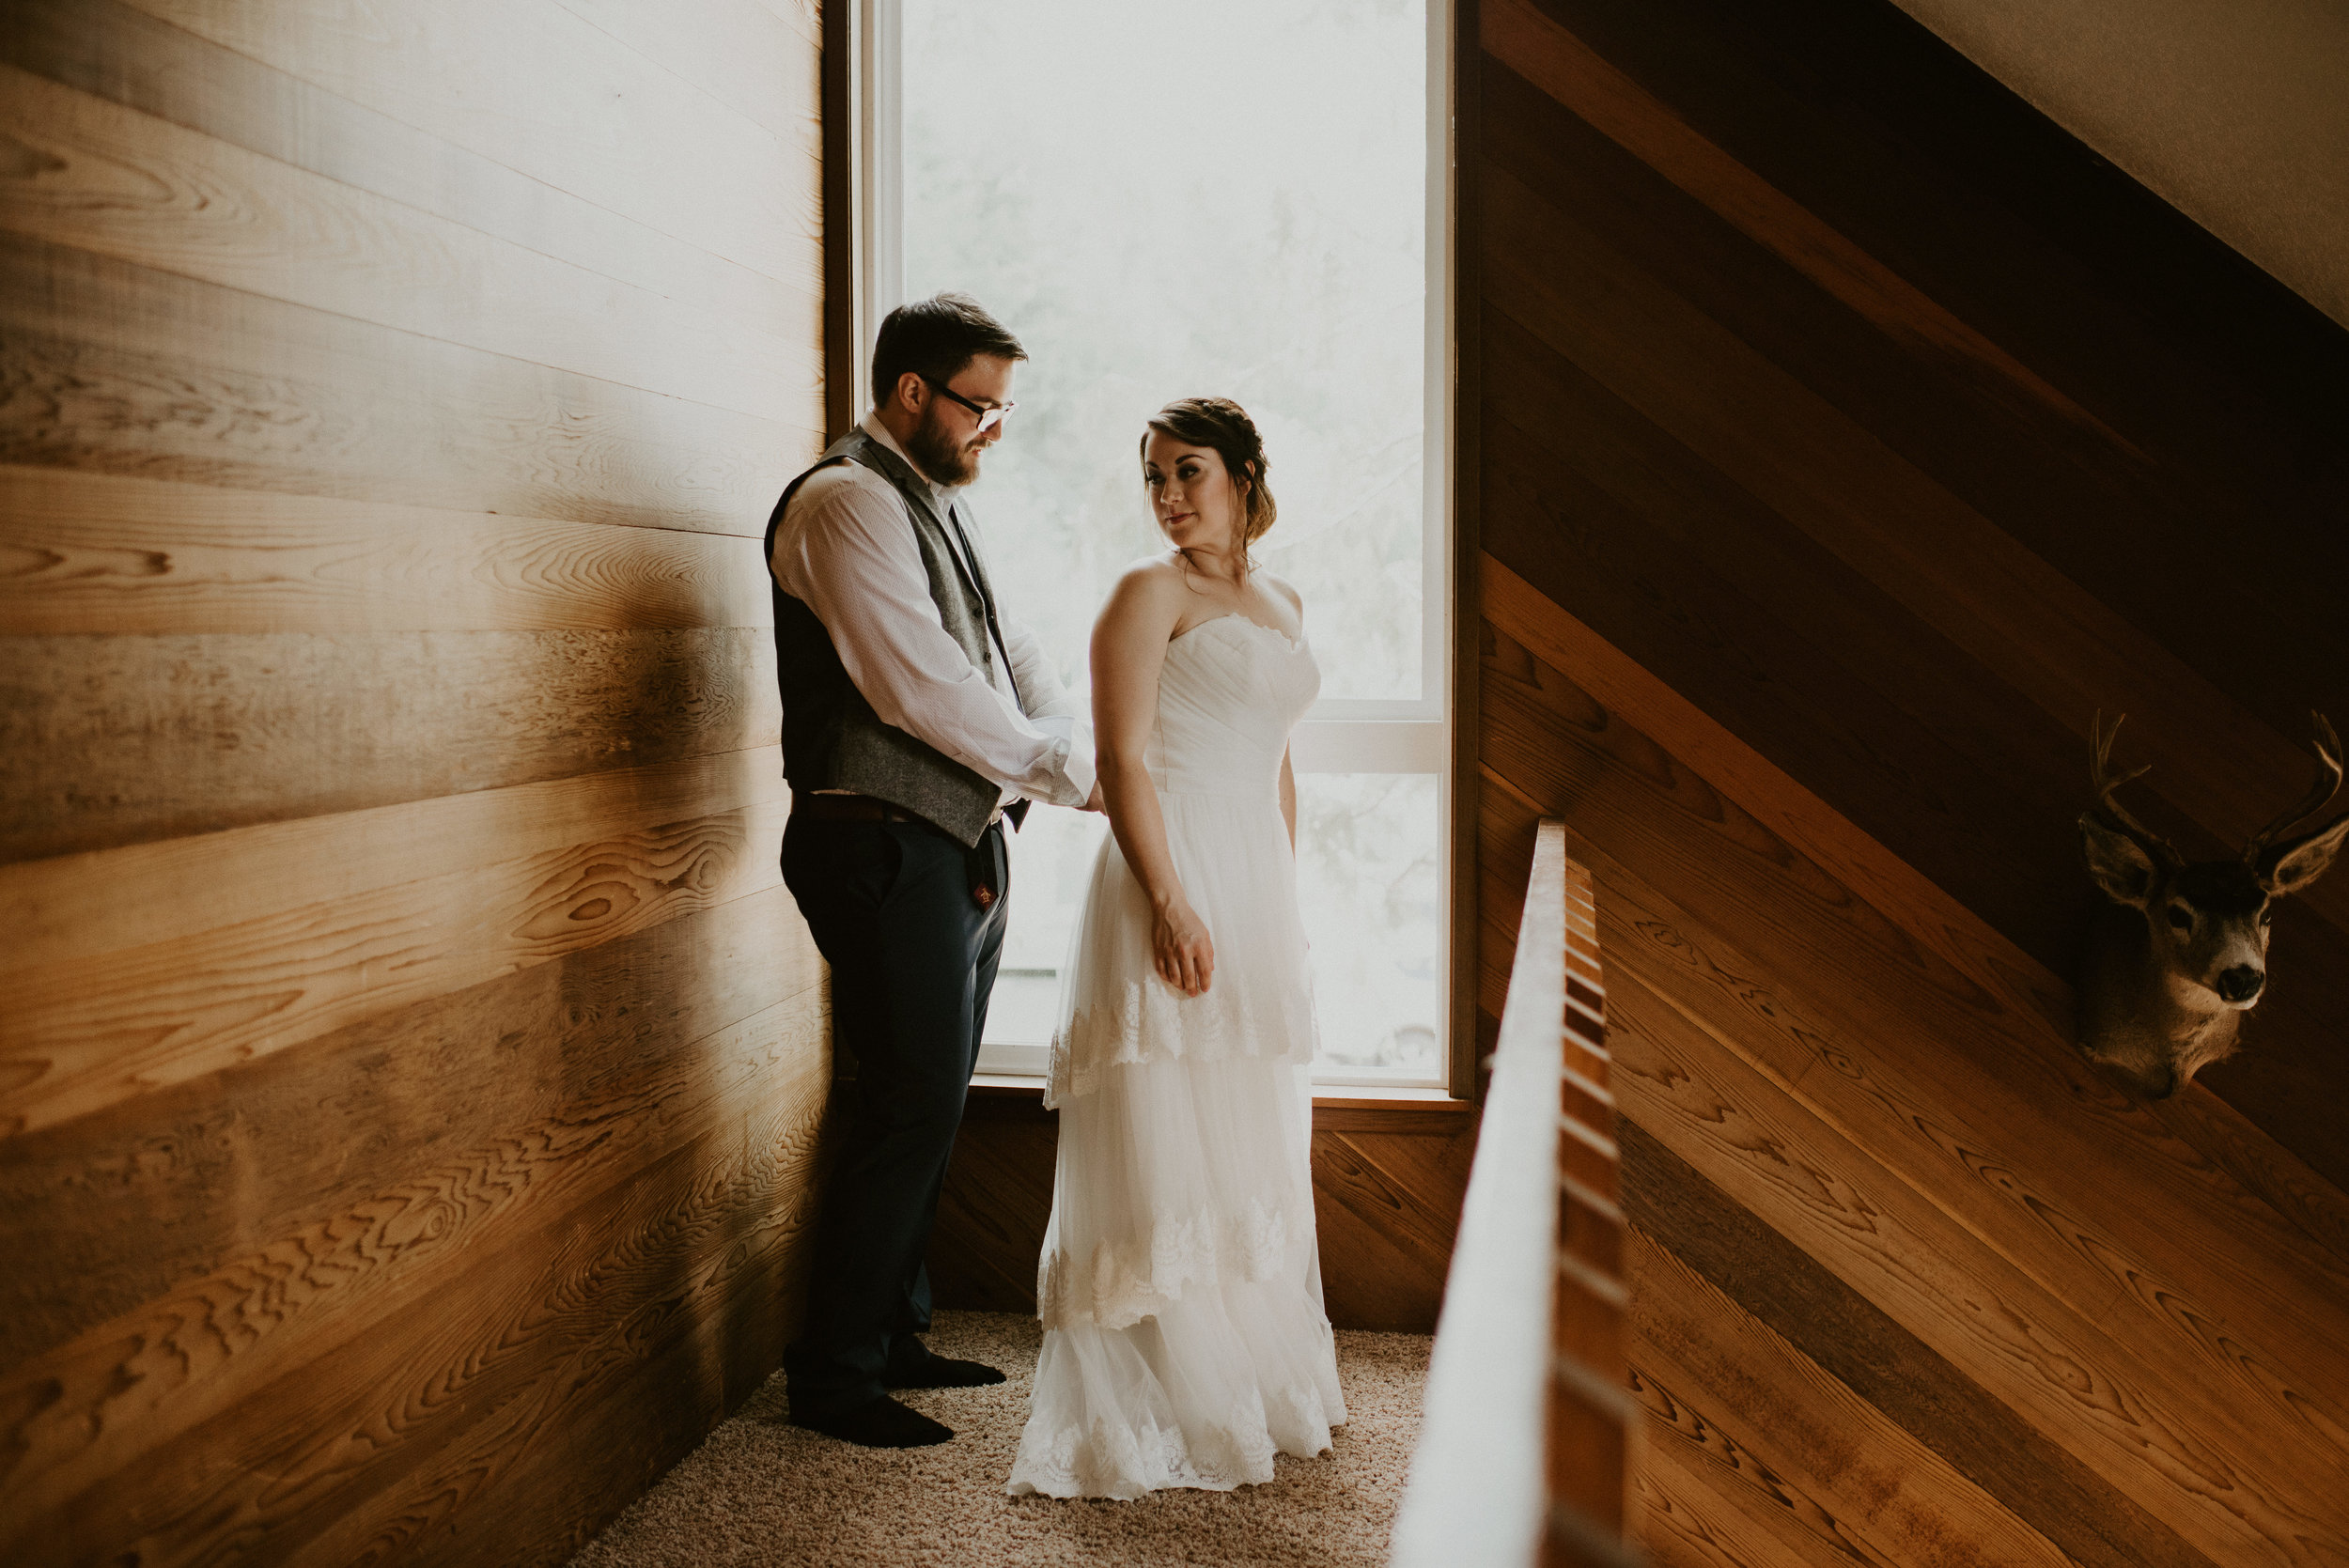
(1093, 802)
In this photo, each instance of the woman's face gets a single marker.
(1197, 505)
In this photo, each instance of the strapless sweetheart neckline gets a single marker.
(1294, 642)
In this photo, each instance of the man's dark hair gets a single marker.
(936, 337)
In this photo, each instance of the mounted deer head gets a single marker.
(2179, 952)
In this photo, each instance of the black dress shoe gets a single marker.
(878, 1423)
(944, 1371)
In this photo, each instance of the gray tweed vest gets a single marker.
(831, 738)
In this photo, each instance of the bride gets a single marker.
(1180, 1286)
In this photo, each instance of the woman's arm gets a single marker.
(1288, 800)
(1129, 650)
(1288, 773)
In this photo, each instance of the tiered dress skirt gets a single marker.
(1180, 1285)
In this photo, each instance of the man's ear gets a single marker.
(908, 392)
(2289, 866)
(2117, 861)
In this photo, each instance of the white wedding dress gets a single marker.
(1180, 1285)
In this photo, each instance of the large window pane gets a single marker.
(1366, 876)
(1051, 861)
(1167, 200)
(1174, 199)
(1366, 880)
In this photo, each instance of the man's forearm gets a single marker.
(1038, 678)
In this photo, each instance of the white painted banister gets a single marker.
(1525, 1442)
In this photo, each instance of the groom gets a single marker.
(915, 720)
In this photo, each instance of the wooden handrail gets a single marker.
(1525, 1452)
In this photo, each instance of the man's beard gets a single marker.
(935, 452)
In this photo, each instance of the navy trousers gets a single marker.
(913, 952)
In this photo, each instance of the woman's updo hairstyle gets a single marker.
(1223, 426)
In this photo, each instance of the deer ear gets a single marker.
(2119, 864)
(2289, 866)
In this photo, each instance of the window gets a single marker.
(1219, 196)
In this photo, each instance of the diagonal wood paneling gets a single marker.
(1847, 437)
(1712, 1376)
(1789, 1337)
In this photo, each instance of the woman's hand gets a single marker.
(1181, 950)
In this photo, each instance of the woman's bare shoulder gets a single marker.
(1150, 589)
(1161, 567)
(1282, 586)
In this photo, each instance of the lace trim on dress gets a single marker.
(1117, 1284)
(1154, 1022)
(1113, 1459)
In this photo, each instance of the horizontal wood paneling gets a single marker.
(102, 552)
(1847, 437)
(125, 1391)
(113, 1026)
(114, 182)
(762, 65)
(74, 908)
(108, 49)
(267, 727)
(129, 369)
(176, 1183)
(600, 119)
(413, 1092)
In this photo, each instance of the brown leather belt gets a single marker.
(852, 808)
(865, 808)
(831, 807)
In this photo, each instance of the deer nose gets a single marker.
(2241, 982)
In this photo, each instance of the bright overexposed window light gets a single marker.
(1167, 200)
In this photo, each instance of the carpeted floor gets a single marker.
(762, 1493)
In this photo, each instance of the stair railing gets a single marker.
(1525, 1449)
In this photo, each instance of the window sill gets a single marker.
(1344, 1108)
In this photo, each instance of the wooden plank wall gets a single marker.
(1388, 1182)
(1389, 1179)
(1849, 437)
(411, 1066)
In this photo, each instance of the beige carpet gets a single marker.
(760, 1493)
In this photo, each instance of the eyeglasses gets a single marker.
(990, 414)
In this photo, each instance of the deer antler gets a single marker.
(2114, 814)
(2321, 789)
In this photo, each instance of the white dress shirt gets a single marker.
(846, 551)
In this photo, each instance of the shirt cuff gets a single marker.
(1078, 768)
(1064, 776)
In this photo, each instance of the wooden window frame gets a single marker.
(1436, 734)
